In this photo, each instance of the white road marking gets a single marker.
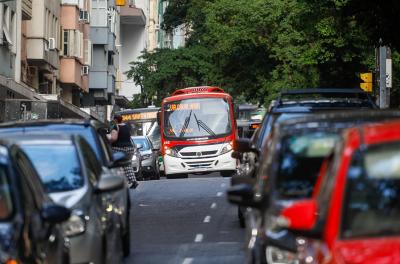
(187, 261)
(219, 194)
(213, 205)
(207, 219)
(143, 205)
(198, 238)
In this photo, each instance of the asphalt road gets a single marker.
(185, 221)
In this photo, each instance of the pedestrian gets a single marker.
(121, 141)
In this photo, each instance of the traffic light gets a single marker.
(367, 84)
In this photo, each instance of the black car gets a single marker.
(289, 167)
(30, 230)
(293, 104)
(94, 132)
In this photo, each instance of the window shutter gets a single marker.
(71, 43)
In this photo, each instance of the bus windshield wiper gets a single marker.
(185, 124)
(204, 126)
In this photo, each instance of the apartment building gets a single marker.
(104, 29)
(133, 40)
(42, 38)
(75, 50)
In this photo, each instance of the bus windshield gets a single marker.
(197, 118)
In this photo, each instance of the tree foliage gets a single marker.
(254, 49)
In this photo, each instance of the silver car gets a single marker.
(149, 157)
(74, 178)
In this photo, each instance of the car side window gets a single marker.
(92, 165)
(105, 146)
(30, 180)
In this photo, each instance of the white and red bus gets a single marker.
(198, 132)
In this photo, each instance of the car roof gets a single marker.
(30, 123)
(379, 132)
(334, 120)
(46, 138)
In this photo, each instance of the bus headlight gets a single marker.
(171, 152)
(228, 147)
(276, 255)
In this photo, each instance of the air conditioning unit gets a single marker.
(85, 70)
(157, 26)
(84, 16)
(52, 44)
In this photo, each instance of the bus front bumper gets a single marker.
(174, 165)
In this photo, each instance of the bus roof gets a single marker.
(198, 89)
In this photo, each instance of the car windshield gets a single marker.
(194, 118)
(57, 164)
(372, 200)
(6, 206)
(142, 141)
(299, 163)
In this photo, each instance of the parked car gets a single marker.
(293, 104)
(73, 177)
(30, 221)
(137, 163)
(354, 213)
(149, 157)
(94, 132)
(289, 168)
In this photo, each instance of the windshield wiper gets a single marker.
(185, 124)
(204, 126)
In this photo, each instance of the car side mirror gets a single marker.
(244, 145)
(120, 159)
(282, 239)
(109, 183)
(243, 195)
(54, 213)
(301, 215)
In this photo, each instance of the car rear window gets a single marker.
(57, 165)
(6, 205)
(72, 129)
(299, 163)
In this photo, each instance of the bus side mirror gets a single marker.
(159, 118)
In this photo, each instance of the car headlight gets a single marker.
(171, 152)
(228, 147)
(276, 255)
(74, 226)
(147, 156)
(134, 158)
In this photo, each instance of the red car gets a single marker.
(354, 215)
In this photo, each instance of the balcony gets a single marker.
(130, 15)
(26, 9)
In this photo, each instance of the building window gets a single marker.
(99, 13)
(87, 52)
(72, 43)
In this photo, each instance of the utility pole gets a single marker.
(384, 61)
